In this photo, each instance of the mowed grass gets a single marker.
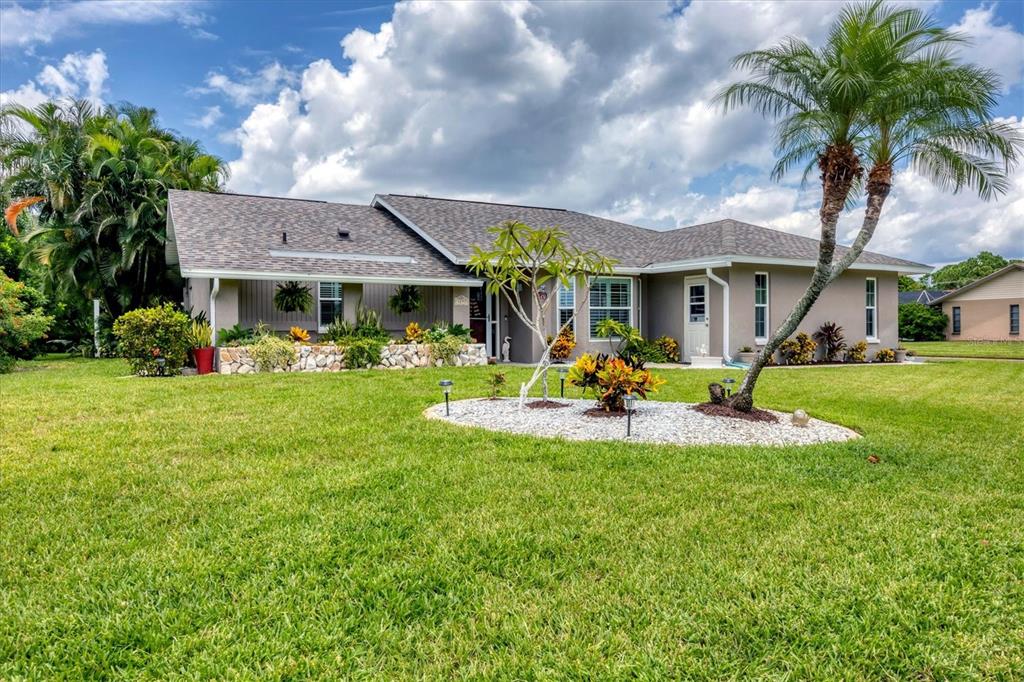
(316, 526)
(968, 349)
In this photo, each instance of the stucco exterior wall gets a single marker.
(842, 302)
(982, 320)
(197, 295)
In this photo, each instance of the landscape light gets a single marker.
(728, 381)
(563, 372)
(161, 363)
(629, 401)
(446, 386)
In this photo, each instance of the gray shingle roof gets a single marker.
(238, 233)
(457, 225)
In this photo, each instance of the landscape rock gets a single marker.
(800, 418)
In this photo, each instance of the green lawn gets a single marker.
(968, 349)
(314, 525)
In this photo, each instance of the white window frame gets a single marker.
(761, 340)
(571, 307)
(320, 325)
(590, 304)
(871, 338)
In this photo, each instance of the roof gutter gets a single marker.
(351, 279)
(729, 261)
(214, 290)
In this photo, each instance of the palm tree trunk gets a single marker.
(839, 167)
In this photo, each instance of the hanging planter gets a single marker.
(293, 297)
(406, 299)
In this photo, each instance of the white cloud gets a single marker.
(77, 75)
(601, 107)
(24, 27)
(208, 119)
(995, 46)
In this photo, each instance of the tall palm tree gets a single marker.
(885, 90)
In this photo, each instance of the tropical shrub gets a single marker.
(885, 355)
(337, 331)
(461, 331)
(298, 335)
(20, 326)
(563, 345)
(369, 326)
(496, 382)
(611, 379)
(830, 337)
(920, 322)
(414, 333)
(272, 352)
(669, 347)
(746, 349)
(446, 349)
(362, 352)
(406, 299)
(293, 297)
(584, 371)
(146, 334)
(235, 336)
(858, 352)
(201, 334)
(799, 350)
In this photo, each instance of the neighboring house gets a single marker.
(924, 297)
(714, 287)
(987, 309)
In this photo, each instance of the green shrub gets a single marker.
(406, 299)
(885, 355)
(271, 352)
(20, 326)
(858, 352)
(361, 352)
(293, 297)
(612, 380)
(920, 322)
(235, 336)
(669, 347)
(446, 349)
(496, 382)
(368, 325)
(146, 334)
(799, 350)
(337, 331)
(201, 334)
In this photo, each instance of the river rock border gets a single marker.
(329, 358)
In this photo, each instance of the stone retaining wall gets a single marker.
(326, 358)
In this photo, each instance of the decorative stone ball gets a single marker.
(801, 418)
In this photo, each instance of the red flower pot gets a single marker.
(204, 359)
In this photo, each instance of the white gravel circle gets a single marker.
(653, 422)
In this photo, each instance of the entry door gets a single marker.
(697, 333)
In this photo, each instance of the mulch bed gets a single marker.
(545, 405)
(600, 412)
(755, 415)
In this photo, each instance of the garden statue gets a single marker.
(505, 346)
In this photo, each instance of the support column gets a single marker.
(460, 306)
(227, 304)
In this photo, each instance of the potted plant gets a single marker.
(900, 352)
(746, 354)
(202, 346)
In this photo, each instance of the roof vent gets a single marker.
(344, 234)
(284, 237)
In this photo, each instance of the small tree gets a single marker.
(919, 322)
(521, 263)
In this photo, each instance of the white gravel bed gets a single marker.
(653, 422)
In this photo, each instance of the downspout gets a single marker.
(214, 290)
(726, 358)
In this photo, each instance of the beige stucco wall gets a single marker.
(982, 320)
(842, 302)
(227, 305)
(665, 306)
(197, 295)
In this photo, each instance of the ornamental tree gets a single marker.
(521, 264)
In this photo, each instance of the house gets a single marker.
(987, 309)
(714, 287)
(924, 296)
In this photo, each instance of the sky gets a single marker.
(601, 107)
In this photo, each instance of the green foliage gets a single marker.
(293, 297)
(858, 352)
(362, 352)
(885, 355)
(338, 330)
(956, 275)
(21, 326)
(407, 298)
(798, 351)
(201, 334)
(496, 383)
(446, 349)
(909, 284)
(271, 352)
(830, 337)
(146, 334)
(611, 380)
(461, 331)
(235, 336)
(369, 326)
(104, 176)
(669, 348)
(920, 322)
(563, 346)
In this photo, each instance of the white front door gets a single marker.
(697, 332)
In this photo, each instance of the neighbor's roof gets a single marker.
(924, 296)
(225, 235)
(455, 226)
(977, 282)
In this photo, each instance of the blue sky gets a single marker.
(597, 107)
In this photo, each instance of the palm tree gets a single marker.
(884, 91)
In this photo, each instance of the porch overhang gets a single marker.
(345, 279)
(728, 261)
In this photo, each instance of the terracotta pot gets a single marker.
(204, 359)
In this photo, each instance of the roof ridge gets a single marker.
(474, 201)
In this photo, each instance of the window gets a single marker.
(566, 305)
(761, 307)
(956, 320)
(330, 303)
(611, 298)
(1014, 318)
(871, 308)
(698, 302)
